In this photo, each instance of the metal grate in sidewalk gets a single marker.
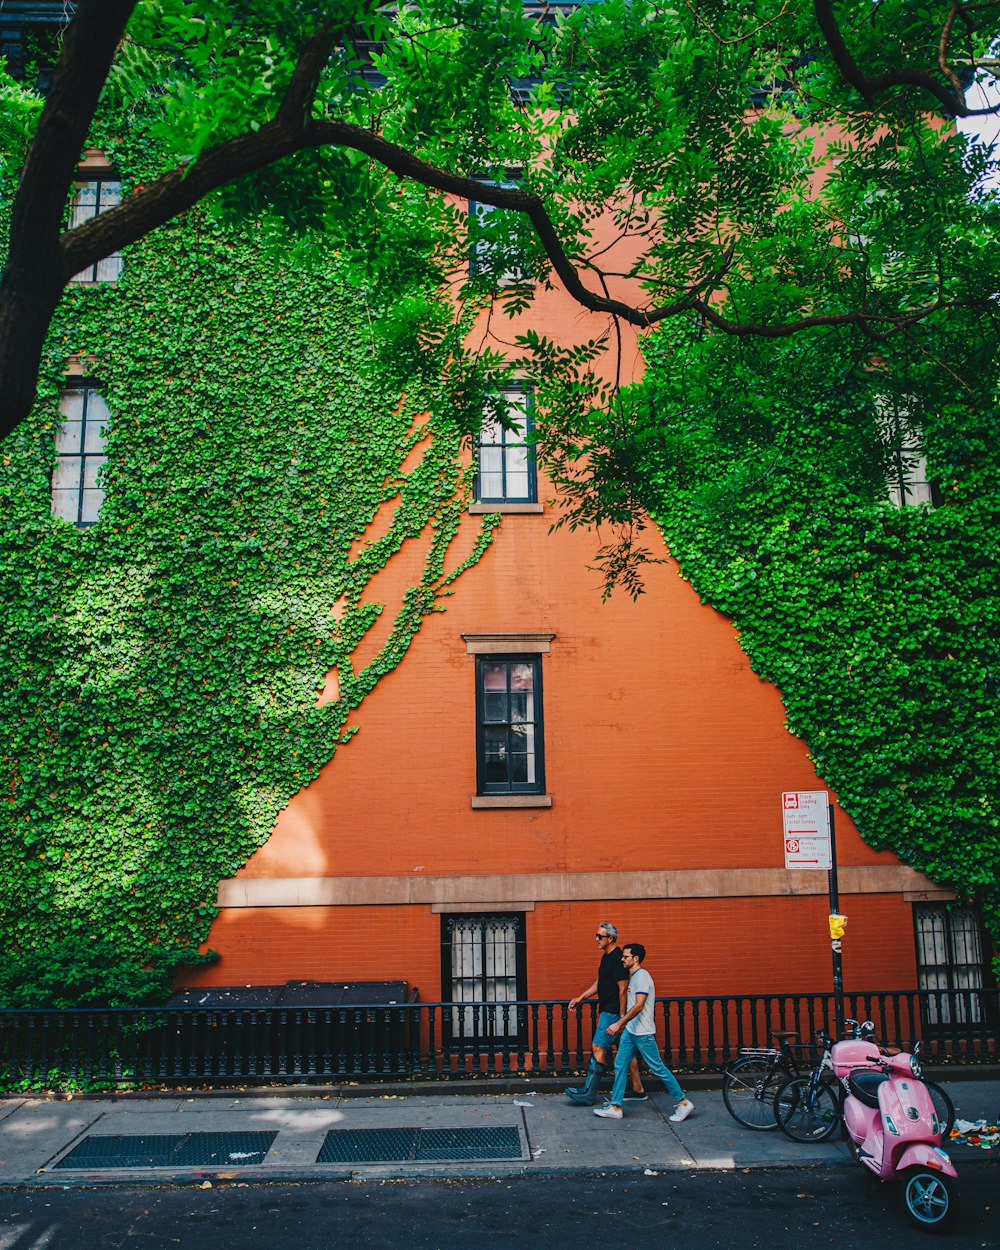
(369, 1145)
(415, 1145)
(169, 1150)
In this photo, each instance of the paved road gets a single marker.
(702, 1210)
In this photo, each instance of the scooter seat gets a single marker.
(863, 1084)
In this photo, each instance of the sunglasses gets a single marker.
(601, 937)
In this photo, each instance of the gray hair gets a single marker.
(609, 929)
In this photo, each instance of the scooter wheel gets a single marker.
(930, 1199)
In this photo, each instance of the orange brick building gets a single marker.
(642, 785)
(541, 761)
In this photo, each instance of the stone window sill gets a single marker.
(486, 801)
(485, 509)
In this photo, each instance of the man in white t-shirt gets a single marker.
(637, 1028)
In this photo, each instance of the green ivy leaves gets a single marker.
(161, 671)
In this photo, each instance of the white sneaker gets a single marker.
(609, 1112)
(682, 1111)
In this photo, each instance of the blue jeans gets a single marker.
(644, 1044)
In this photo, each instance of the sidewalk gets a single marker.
(261, 1136)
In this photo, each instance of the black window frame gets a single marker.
(91, 276)
(470, 1022)
(88, 388)
(486, 787)
(962, 998)
(509, 440)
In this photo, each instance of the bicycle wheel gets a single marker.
(943, 1106)
(805, 1114)
(748, 1090)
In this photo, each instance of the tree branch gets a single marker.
(155, 203)
(869, 86)
(184, 186)
(42, 262)
(34, 277)
(89, 46)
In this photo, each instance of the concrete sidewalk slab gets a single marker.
(36, 1132)
(556, 1137)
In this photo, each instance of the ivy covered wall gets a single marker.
(160, 671)
(765, 465)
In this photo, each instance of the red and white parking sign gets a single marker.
(805, 816)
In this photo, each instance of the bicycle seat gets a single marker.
(783, 1035)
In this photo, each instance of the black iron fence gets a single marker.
(104, 1048)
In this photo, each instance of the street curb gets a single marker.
(480, 1087)
(146, 1179)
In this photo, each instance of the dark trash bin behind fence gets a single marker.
(302, 1029)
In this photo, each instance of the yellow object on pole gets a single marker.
(837, 926)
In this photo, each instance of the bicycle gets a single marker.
(810, 1108)
(807, 1108)
(750, 1081)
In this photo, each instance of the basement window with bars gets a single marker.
(484, 967)
(952, 964)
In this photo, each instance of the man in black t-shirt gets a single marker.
(610, 988)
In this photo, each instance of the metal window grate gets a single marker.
(414, 1145)
(168, 1150)
(951, 964)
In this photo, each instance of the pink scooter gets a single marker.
(893, 1129)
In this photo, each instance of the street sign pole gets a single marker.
(838, 965)
(811, 845)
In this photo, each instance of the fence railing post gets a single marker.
(106, 1048)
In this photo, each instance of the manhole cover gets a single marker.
(169, 1150)
(415, 1145)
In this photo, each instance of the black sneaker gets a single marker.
(632, 1095)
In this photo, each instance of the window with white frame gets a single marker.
(505, 459)
(492, 251)
(906, 463)
(94, 196)
(77, 493)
